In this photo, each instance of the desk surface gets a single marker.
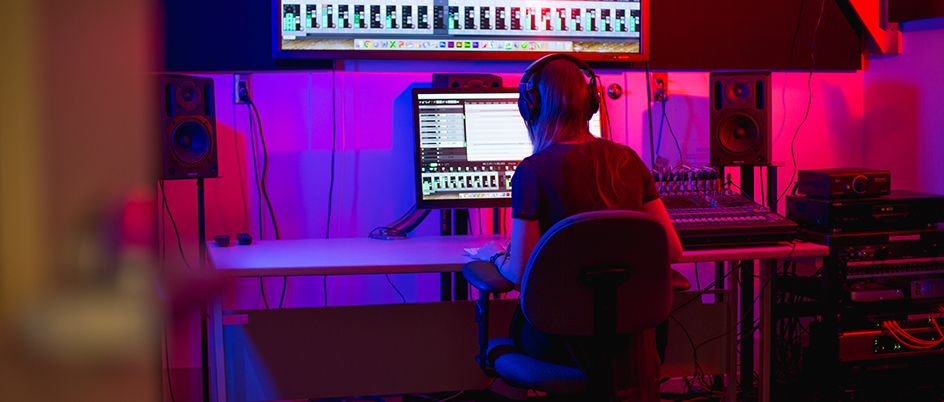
(358, 256)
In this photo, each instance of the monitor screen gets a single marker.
(614, 30)
(468, 142)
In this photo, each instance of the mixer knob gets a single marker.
(860, 184)
(881, 253)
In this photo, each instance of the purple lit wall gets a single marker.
(373, 178)
(904, 104)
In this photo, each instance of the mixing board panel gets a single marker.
(716, 218)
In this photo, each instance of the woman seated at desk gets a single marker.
(570, 172)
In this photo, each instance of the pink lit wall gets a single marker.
(367, 104)
(904, 104)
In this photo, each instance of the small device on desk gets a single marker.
(244, 239)
(221, 240)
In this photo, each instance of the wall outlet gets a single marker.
(242, 88)
(660, 87)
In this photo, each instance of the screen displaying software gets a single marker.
(468, 143)
(448, 26)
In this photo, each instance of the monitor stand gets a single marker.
(399, 229)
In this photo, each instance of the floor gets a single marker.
(187, 387)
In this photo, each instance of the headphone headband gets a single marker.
(529, 97)
(539, 64)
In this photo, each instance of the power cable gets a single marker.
(174, 224)
(255, 171)
(652, 154)
(170, 387)
(265, 171)
(262, 185)
(395, 288)
(669, 123)
(809, 102)
(334, 142)
(759, 293)
(796, 32)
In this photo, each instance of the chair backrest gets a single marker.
(555, 301)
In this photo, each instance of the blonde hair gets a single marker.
(564, 105)
(562, 117)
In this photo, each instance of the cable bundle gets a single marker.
(910, 340)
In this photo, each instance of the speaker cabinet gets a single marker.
(188, 128)
(466, 81)
(740, 119)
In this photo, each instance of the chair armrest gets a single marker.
(679, 282)
(484, 276)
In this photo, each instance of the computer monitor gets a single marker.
(613, 30)
(468, 143)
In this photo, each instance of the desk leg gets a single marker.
(461, 286)
(719, 274)
(453, 283)
(747, 324)
(763, 350)
(445, 286)
(731, 339)
(217, 355)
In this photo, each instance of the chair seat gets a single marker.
(527, 372)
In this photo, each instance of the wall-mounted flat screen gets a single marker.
(614, 30)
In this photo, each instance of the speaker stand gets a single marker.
(204, 334)
(746, 341)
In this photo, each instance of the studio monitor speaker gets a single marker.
(188, 128)
(740, 119)
(466, 81)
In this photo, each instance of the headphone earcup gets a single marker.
(594, 96)
(528, 105)
(524, 109)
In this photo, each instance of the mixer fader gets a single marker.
(704, 213)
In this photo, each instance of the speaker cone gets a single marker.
(190, 141)
(738, 91)
(738, 133)
(188, 95)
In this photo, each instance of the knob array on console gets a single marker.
(691, 181)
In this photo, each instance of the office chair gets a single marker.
(592, 276)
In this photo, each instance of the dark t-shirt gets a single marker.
(568, 179)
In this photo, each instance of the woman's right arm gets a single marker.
(657, 209)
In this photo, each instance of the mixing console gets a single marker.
(725, 219)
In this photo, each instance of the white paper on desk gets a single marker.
(485, 252)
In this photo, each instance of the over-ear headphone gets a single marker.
(529, 99)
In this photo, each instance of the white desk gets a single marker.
(347, 256)
(355, 256)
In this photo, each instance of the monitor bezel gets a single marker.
(417, 156)
(278, 53)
